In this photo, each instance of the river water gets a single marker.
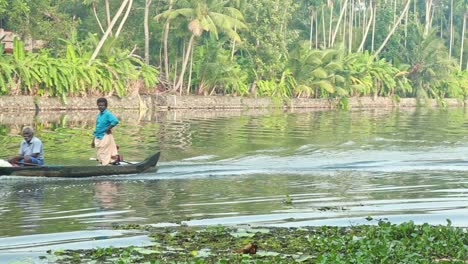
(260, 168)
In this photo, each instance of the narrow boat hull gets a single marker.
(81, 171)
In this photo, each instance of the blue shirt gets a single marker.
(104, 120)
(33, 147)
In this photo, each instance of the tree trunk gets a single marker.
(345, 27)
(183, 56)
(465, 16)
(316, 30)
(311, 30)
(373, 28)
(190, 73)
(109, 29)
(97, 18)
(428, 17)
(361, 47)
(345, 5)
(324, 33)
(166, 36)
(108, 15)
(406, 28)
(451, 29)
(184, 63)
(146, 28)
(364, 18)
(393, 29)
(351, 23)
(233, 50)
(119, 29)
(176, 68)
(330, 26)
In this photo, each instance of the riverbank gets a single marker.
(168, 102)
(380, 243)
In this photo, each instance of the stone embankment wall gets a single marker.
(164, 102)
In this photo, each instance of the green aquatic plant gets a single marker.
(288, 200)
(382, 242)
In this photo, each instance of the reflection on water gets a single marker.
(234, 168)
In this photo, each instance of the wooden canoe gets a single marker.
(81, 171)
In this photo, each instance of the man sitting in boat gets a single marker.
(103, 141)
(31, 152)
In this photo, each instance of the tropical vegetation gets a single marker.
(307, 48)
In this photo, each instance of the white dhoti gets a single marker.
(106, 149)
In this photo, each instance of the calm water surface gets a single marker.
(337, 168)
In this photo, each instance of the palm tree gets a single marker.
(429, 61)
(206, 15)
(316, 71)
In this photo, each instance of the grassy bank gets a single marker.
(382, 243)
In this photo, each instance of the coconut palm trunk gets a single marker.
(233, 50)
(330, 23)
(146, 28)
(165, 40)
(108, 31)
(324, 33)
(428, 17)
(345, 5)
(465, 16)
(316, 30)
(97, 18)
(311, 29)
(190, 74)
(122, 22)
(451, 29)
(351, 24)
(108, 15)
(369, 24)
(395, 25)
(184, 63)
(373, 28)
(406, 28)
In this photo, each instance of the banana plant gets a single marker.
(278, 89)
(319, 73)
(26, 73)
(214, 70)
(6, 71)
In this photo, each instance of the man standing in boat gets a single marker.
(31, 151)
(103, 141)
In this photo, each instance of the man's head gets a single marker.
(28, 133)
(102, 104)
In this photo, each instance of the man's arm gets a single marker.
(109, 129)
(36, 149)
(20, 155)
(113, 122)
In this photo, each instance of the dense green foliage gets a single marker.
(382, 243)
(308, 48)
(43, 74)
